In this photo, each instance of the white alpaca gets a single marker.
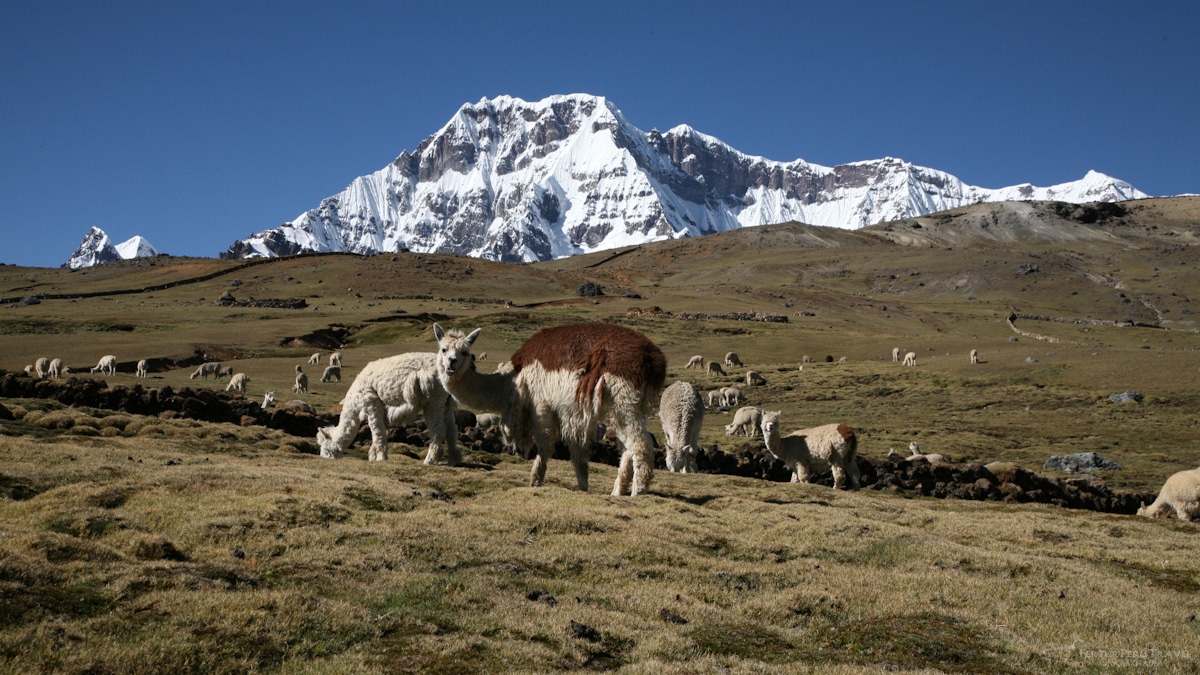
(731, 360)
(714, 398)
(696, 361)
(392, 391)
(335, 359)
(560, 385)
(745, 422)
(488, 420)
(42, 367)
(910, 359)
(915, 455)
(481, 356)
(141, 369)
(808, 452)
(332, 374)
(974, 356)
(294, 405)
(107, 365)
(29, 371)
(754, 378)
(206, 369)
(806, 359)
(268, 400)
(56, 369)
(731, 396)
(895, 354)
(714, 369)
(681, 411)
(1181, 494)
(238, 383)
(300, 386)
(315, 359)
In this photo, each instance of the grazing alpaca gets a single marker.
(731, 360)
(731, 396)
(224, 371)
(681, 412)
(754, 378)
(141, 369)
(974, 356)
(238, 383)
(1181, 494)
(745, 422)
(315, 359)
(301, 384)
(335, 359)
(56, 369)
(808, 452)
(714, 398)
(391, 391)
(107, 365)
(696, 361)
(910, 359)
(332, 374)
(714, 369)
(562, 382)
(42, 367)
(207, 369)
(895, 354)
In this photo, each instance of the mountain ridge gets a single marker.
(509, 180)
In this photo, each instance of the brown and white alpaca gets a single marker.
(562, 383)
(808, 452)
(392, 391)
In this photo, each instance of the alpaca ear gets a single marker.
(438, 332)
(474, 334)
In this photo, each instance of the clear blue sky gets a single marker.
(196, 123)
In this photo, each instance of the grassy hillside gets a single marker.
(138, 544)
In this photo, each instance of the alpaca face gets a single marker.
(454, 350)
(770, 422)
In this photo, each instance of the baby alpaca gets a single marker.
(335, 359)
(808, 452)
(681, 412)
(301, 384)
(910, 359)
(56, 369)
(238, 383)
(107, 365)
(315, 359)
(1181, 494)
(895, 354)
(745, 422)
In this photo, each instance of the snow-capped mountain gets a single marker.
(510, 180)
(96, 249)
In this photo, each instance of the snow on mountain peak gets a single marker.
(506, 179)
(96, 249)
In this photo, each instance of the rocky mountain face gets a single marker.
(96, 249)
(511, 180)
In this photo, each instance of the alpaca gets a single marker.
(731, 360)
(808, 452)
(294, 405)
(806, 359)
(335, 359)
(206, 369)
(42, 367)
(915, 455)
(731, 396)
(315, 359)
(681, 411)
(238, 383)
(268, 400)
(107, 365)
(895, 354)
(141, 369)
(487, 420)
(332, 374)
(696, 361)
(481, 356)
(714, 369)
(714, 398)
(56, 370)
(224, 371)
(910, 359)
(560, 385)
(390, 391)
(754, 378)
(1181, 494)
(745, 422)
(300, 386)
(974, 356)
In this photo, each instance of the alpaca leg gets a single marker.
(633, 436)
(853, 473)
(839, 477)
(689, 454)
(546, 436)
(538, 474)
(672, 460)
(624, 474)
(377, 421)
(453, 452)
(579, 459)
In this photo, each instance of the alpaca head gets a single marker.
(454, 351)
(770, 423)
(268, 399)
(327, 441)
(914, 448)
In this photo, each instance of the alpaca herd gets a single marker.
(564, 385)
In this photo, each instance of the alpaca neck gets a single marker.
(493, 392)
(347, 428)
